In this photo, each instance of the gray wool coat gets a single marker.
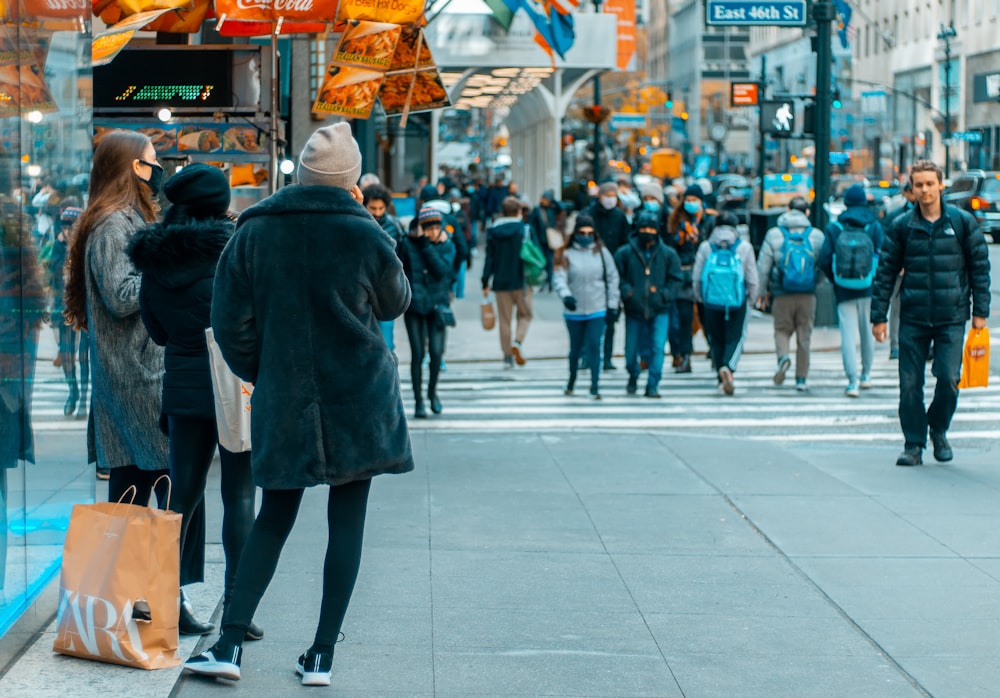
(299, 292)
(127, 366)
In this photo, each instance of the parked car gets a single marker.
(880, 192)
(978, 192)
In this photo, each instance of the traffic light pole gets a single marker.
(762, 145)
(597, 123)
(823, 13)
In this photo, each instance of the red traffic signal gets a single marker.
(596, 114)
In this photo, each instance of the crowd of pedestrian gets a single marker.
(314, 332)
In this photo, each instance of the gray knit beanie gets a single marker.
(331, 158)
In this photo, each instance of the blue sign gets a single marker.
(840, 158)
(626, 121)
(755, 13)
(968, 136)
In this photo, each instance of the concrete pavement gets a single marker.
(627, 563)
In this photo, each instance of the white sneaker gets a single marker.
(852, 390)
(866, 382)
(221, 661)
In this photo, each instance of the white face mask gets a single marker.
(609, 202)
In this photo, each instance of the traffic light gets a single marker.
(669, 104)
(837, 104)
(596, 113)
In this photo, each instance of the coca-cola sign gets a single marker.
(272, 10)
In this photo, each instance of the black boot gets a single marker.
(74, 396)
(435, 403)
(187, 624)
(419, 411)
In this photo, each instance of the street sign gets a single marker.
(744, 94)
(840, 158)
(755, 13)
(626, 120)
(968, 136)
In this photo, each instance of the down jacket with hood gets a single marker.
(651, 278)
(726, 236)
(591, 277)
(769, 264)
(946, 263)
(178, 260)
(503, 269)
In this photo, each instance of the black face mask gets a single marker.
(648, 239)
(155, 176)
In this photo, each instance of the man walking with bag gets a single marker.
(849, 259)
(787, 271)
(947, 262)
(503, 271)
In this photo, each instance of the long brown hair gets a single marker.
(113, 187)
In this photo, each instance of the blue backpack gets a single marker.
(797, 265)
(854, 258)
(722, 284)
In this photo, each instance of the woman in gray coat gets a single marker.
(102, 296)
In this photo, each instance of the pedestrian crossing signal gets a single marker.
(596, 114)
(777, 118)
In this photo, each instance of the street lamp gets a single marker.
(946, 35)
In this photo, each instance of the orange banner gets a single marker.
(348, 91)
(367, 44)
(625, 10)
(393, 11)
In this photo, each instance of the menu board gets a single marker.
(188, 138)
(368, 44)
(428, 92)
(348, 91)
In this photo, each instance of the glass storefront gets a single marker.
(45, 154)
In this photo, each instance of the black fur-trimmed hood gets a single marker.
(180, 253)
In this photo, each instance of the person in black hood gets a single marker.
(503, 272)
(429, 196)
(177, 259)
(651, 277)
(544, 216)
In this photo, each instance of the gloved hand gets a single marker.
(570, 303)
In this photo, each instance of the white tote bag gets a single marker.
(232, 400)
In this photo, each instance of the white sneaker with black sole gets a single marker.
(314, 668)
(221, 661)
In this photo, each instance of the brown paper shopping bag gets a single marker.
(120, 585)
(487, 313)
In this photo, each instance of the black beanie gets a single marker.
(203, 190)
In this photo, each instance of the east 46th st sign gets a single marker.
(755, 13)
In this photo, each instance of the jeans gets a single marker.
(680, 328)
(585, 341)
(459, 286)
(643, 335)
(914, 343)
(852, 316)
(387, 329)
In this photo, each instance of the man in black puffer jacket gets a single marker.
(651, 277)
(946, 261)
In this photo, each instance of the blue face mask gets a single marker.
(652, 206)
(583, 240)
(692, 207)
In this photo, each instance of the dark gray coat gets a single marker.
(299, 292)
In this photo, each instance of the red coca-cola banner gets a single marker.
(312, 11)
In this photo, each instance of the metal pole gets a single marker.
(272, 174)
(597, 124)
(823, 13)
(947, 105)
(762, 145)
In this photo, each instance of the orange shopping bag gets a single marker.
(976, 359)
(119, 591)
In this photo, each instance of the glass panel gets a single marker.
(45, 152)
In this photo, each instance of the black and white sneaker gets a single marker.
(221, 661)
(315, 668)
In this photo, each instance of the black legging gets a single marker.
(121, 478)
(193, 441)
(345, 517)
(425, 335)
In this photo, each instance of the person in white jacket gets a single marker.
(586, 280)
(726, 325)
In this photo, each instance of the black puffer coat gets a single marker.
(611, 224)
(428, 267)
(178, 261)
(945, 262)
(649, 286)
